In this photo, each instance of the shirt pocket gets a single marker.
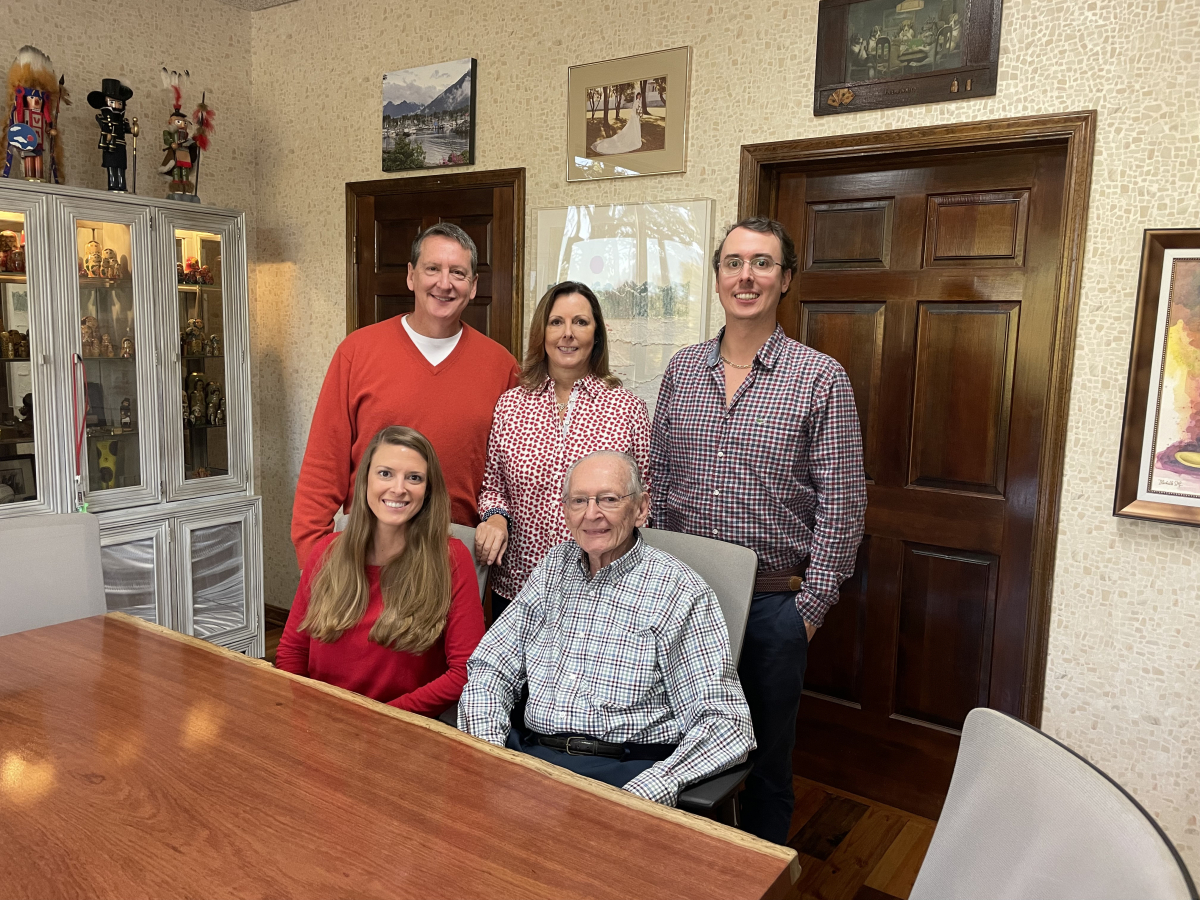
(778, 447)
(621, 669)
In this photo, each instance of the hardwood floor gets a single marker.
(852, 848)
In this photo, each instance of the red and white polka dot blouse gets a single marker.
(529, 452)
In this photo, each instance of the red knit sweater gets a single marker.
(428, 683)
(377, 378)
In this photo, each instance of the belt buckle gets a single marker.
(794, 583)
(581, 752)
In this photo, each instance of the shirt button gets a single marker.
(714, 531)
(716, 493)
(720, 454)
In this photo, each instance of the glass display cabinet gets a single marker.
(125, 393)
(27, 451)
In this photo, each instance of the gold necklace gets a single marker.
(735, 365)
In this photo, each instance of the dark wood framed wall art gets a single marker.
(940, 266)
(1158, 476)
(873, 54)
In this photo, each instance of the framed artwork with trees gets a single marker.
(628, 117)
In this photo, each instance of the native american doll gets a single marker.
(32, 116)
(111, 100)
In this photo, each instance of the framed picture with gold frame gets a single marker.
(628, 117)
(1158, 476)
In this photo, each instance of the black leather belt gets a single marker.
(583, 745)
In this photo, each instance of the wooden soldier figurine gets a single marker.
(179, 152)
(31, 117)
(111, 100)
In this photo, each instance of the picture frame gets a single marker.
(650, 266)
(1158, 472)
(428, 116)
(606, 139)
(18, 473)
(877, 54)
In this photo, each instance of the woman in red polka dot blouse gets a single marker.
(568, 405)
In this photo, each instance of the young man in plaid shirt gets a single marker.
(756, 441)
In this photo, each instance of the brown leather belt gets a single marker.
(783, 580)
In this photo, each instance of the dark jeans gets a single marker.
(601, 768)
(499, 605)
(774, 655)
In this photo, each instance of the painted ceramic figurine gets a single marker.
(111, 100)
(126, 415)
(109, 267)
(31, 117)
(214, 345)
(127, 347)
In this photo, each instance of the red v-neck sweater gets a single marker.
(377, 378)
(428, 683)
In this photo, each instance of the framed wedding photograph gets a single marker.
(429, 116)
(628, 117)
(875, 54)
(650, 267)
(1158, 476)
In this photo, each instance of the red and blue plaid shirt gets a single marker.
(778, 470)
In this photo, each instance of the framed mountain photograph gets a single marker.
(429, 116)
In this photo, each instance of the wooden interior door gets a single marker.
(935, 276)
(384, 217)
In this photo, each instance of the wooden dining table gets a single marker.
(139, 762)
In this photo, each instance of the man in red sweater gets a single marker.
(428, 370)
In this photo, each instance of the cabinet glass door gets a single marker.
(204, 400)
(108, 329)
(18, 445)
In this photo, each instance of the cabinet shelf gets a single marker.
(121, 359)
(15, 359)
(94, 435)
(13, 277)
(218, 356)
(204, 427)
(89, 281)
(9, 441)
(198, 287)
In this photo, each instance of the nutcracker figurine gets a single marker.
(179, 153)
(32, 116)
(111, 100)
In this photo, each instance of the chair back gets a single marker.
(466, 534)
(1028, 817)
(728, 569)
(51, 571)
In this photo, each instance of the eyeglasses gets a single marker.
(607, 502)
(759, 265)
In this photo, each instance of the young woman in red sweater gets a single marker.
(388, 608)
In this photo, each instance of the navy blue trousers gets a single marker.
(774, 655)
(601, 768)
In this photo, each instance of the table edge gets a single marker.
(615, 794)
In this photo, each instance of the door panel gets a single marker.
(932, 279)
(385, 217)
(965, 357)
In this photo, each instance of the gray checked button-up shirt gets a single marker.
(638, 652)
(778, 470)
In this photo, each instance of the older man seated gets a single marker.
(624, 650)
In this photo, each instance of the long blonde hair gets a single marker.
(534, 369)
(415, 585)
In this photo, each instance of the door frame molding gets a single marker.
(761, 166)
(494, 178)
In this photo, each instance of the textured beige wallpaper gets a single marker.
(1124, 667)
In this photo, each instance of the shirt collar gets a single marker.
(618, 568)
(588, 384)
(766, 355)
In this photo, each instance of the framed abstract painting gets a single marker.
(628, 117)
(1158, 476)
